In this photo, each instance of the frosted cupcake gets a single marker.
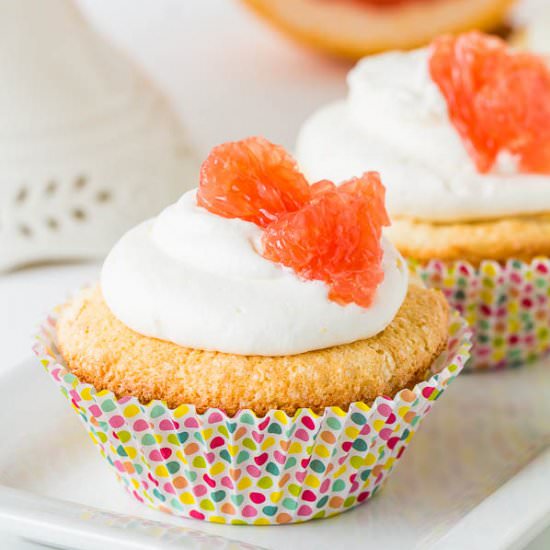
(460, 133)
(255, 353)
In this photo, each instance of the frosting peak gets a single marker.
(196, 279)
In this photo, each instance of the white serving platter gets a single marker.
(477, 475)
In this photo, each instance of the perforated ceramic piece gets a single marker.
(88, 146)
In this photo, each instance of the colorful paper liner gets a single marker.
(245, 469)
(507, 306)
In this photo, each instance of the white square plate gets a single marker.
(477, 475)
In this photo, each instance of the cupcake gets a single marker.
(460, 133)
(255, 354)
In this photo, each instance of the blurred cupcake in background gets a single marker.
(354, 28)
(460, 133)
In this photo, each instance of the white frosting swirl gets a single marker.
(196, 279)
(395, 121)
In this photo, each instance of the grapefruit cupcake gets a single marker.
(461, 135)
(255, 353)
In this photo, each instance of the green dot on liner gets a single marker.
(317, 466)
(217, 496)
(333, 423)
(157, 411)
(173, 467)
(322, 501)
(148, 439)
(294, 489)
(199, 462)
(290, 504)
(265, 482)
(273, 469)
(274, 428)
(247, 418)
(108, 405)
(338, 485)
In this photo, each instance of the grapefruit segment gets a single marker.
(335, 239)
(498, 100)
(253, 180)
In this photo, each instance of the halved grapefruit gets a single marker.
(353, 28)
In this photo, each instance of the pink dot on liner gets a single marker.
(304, 510)
(249, 511)
(257, 498)
(199, 490)
(384, 410)
(253, 471)
(215, 417)
(95, 410)
(140, 425)
(196, 514)
(169, 488)
(116, 421)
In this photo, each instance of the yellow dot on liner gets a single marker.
(162, 471)
(312, 481)
(352, 432)
(182, 410)
(488, 269)
(131, 452)
(389, 464)
(207, 434)
(322, 451)
(338, 411)
(270, 441)
(187, 498)
(233, 449)
(245, 483)
(276, 496)
(135, 483)
(370, 459)
(181, 456)
(131, 410)
(340, 471)
(262, 521)
(217, 468)
(295, 448)
(217, 519)
(86, 394)
(448, 282)
(281, 417)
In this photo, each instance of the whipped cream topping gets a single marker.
(197, 279)
(395, 121)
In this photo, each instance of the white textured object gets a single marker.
(88, 147)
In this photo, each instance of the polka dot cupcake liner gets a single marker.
(508, 307)
(250, 470)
